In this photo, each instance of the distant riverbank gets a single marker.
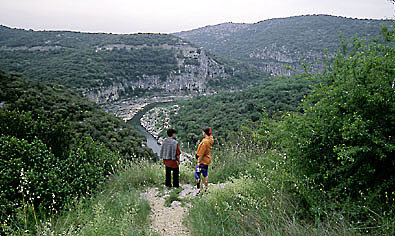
(135, 122)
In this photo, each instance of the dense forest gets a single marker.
(60, 144)
(77, 60)
(86, 68)
(126, 65)
(226, 113)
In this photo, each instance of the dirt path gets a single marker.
(168, 220)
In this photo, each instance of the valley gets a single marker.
(301, 109)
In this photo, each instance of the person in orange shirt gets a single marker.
(203, 156)
(170, 153)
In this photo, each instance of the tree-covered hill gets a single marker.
(271, 43)
(58, 104)
(55, 146)
(107, 67)
(225, 113)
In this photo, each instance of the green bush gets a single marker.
(55, 134)
(343, 142)
(87, 166)
(26, 174)
(116, 209)
(42, 166)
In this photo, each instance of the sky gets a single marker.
(169, 16)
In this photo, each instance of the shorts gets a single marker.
(203, 170)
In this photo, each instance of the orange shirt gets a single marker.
(204, 150)
(172, 163)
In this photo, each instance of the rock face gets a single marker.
(108, 93)
(273, 43)
(111, 67)
(195, 70)
(35, 48)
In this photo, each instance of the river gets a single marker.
(135, 122)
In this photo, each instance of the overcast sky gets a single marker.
(168, 16)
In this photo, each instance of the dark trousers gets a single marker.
(175, 177)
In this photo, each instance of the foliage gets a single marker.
(86, 68)
(239, 75)
(342, 145)
(68, 39)
(116, 209)
(325, 170)
(26, 173)
(91, 62)
(226, 112)
(62, 114)
(31, 173)
(52, 149)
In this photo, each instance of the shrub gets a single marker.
(343, 142)
(33, 174)
(117, 209)
(26, 174)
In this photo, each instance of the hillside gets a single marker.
(59, 104)
(107, 67)
(272, 43)
(226, 113)
(56, 146)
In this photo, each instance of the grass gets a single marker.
(173, 196)
(257, 199)
(187, 173)
(117, 209)
(260, 198)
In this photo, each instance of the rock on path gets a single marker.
(168, 220)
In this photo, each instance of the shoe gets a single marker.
(198, 185)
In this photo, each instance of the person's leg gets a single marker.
(197, 177)
(206, 183)
(205, 175)
(168, 177)
(176, 172)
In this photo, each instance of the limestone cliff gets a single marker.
(195, 70)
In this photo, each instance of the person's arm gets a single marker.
(178, 153)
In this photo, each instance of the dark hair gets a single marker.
(171, 131)
(207, 130)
